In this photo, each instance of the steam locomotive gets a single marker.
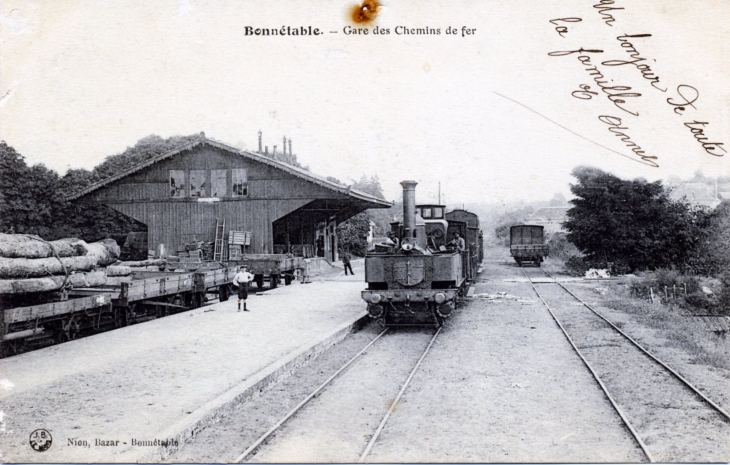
(419, 277)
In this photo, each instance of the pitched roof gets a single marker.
(693, 191)
(697, 193)
(550, 214)
(202, 139)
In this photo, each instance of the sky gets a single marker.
(501, 114)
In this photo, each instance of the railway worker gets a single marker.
(242, 278)
(391, 240)
(458, 242)
(346, 262)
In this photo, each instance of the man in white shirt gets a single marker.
(242, 278)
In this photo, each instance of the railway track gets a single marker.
(367, 446)
(659, 407)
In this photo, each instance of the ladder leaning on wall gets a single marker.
(220, 231)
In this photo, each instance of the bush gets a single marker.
(724, 294)
(671, 286)
(576, 265)
(560, 247)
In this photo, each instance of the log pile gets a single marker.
(30, 264)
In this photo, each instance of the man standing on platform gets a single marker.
(242, 278)
(346, 262)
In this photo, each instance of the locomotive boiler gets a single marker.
(419, 277)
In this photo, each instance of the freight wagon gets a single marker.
(58, 317)
(273, 267)
(527, 244)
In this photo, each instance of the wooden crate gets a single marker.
(234, 252)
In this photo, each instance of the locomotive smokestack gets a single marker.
(409, 208)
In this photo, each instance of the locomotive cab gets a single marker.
(436, 226)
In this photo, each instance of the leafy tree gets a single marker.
(29, 196)
(711, 257)
(558, 200)
(632, 223)
(145, 149)
(352, 234)
(509, 219)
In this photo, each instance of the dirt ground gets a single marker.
(134, 382)
(501, 384)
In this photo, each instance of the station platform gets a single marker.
(115, 396)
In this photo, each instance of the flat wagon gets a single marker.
(146, 295)
(273, 267)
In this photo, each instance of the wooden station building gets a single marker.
(183, 194)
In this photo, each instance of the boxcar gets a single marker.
(527, 244)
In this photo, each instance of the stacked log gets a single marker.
(118, 270)
(38, 249)
(30, 264)
(144, 263)
(52, 283)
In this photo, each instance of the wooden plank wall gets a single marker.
(145, 196)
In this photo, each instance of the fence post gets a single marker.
(651, 292)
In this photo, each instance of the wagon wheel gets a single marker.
(273, 281)
(177, 299)
(71, 330)
(287, 279)
(119, 317)
(198, 299)
(129, 313)
(259, 280)
(223, 293)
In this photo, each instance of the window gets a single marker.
(177, 183)
(426, 213)
(240, 183)
(218, 183)
(197, 183)
(438, 212)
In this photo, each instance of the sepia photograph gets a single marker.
(364, 231)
